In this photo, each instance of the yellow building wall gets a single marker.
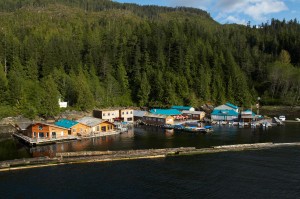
(106, 127)
(80, 129)
(169, 120)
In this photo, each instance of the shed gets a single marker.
(194, 115)
(247, 116)
(156, 119)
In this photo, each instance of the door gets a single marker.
(53, 135)
(103, 128)
(41, 135)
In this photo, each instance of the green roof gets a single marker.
(66, 123)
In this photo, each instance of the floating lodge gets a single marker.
(185, 118)
(111, 121)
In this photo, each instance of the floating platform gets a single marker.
(104, 156)
(36, 142)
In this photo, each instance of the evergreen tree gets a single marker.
(103, 53)
(3, 85)
(144, 90)
(50, 96)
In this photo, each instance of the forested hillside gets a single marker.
(98, 53)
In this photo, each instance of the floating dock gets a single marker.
(104, 156)
(35, 142)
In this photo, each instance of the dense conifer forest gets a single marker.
(99, 53)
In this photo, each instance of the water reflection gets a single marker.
(97, 143)
(145, 137)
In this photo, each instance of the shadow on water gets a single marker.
(12, 149)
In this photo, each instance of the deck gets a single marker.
(42, 141)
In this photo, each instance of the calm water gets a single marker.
(145, 137)
(271, 173)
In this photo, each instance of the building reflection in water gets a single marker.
(99, 143)
(169, 132)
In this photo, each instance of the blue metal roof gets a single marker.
(231, 105)
(66, 123)
(182, 107)
(165, 111)
(250, 112)
(225, 113)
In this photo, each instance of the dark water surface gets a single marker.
(273, 173)
(145, 137)
(253, 174)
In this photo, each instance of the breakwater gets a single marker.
(104, 156)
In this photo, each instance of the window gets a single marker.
(130, 112)
(129, 119)
(98, 128)
(47, 135)
(103, 114)
(40, 127)
(108, 114)
(74, 130)
(34, 134)
(122, 113)
(127, 113)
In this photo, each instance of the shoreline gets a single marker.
(109, 156)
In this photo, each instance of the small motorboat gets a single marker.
(282, 117)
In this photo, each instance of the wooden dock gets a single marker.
(104, 156)
(36, 141)
(44, 141)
